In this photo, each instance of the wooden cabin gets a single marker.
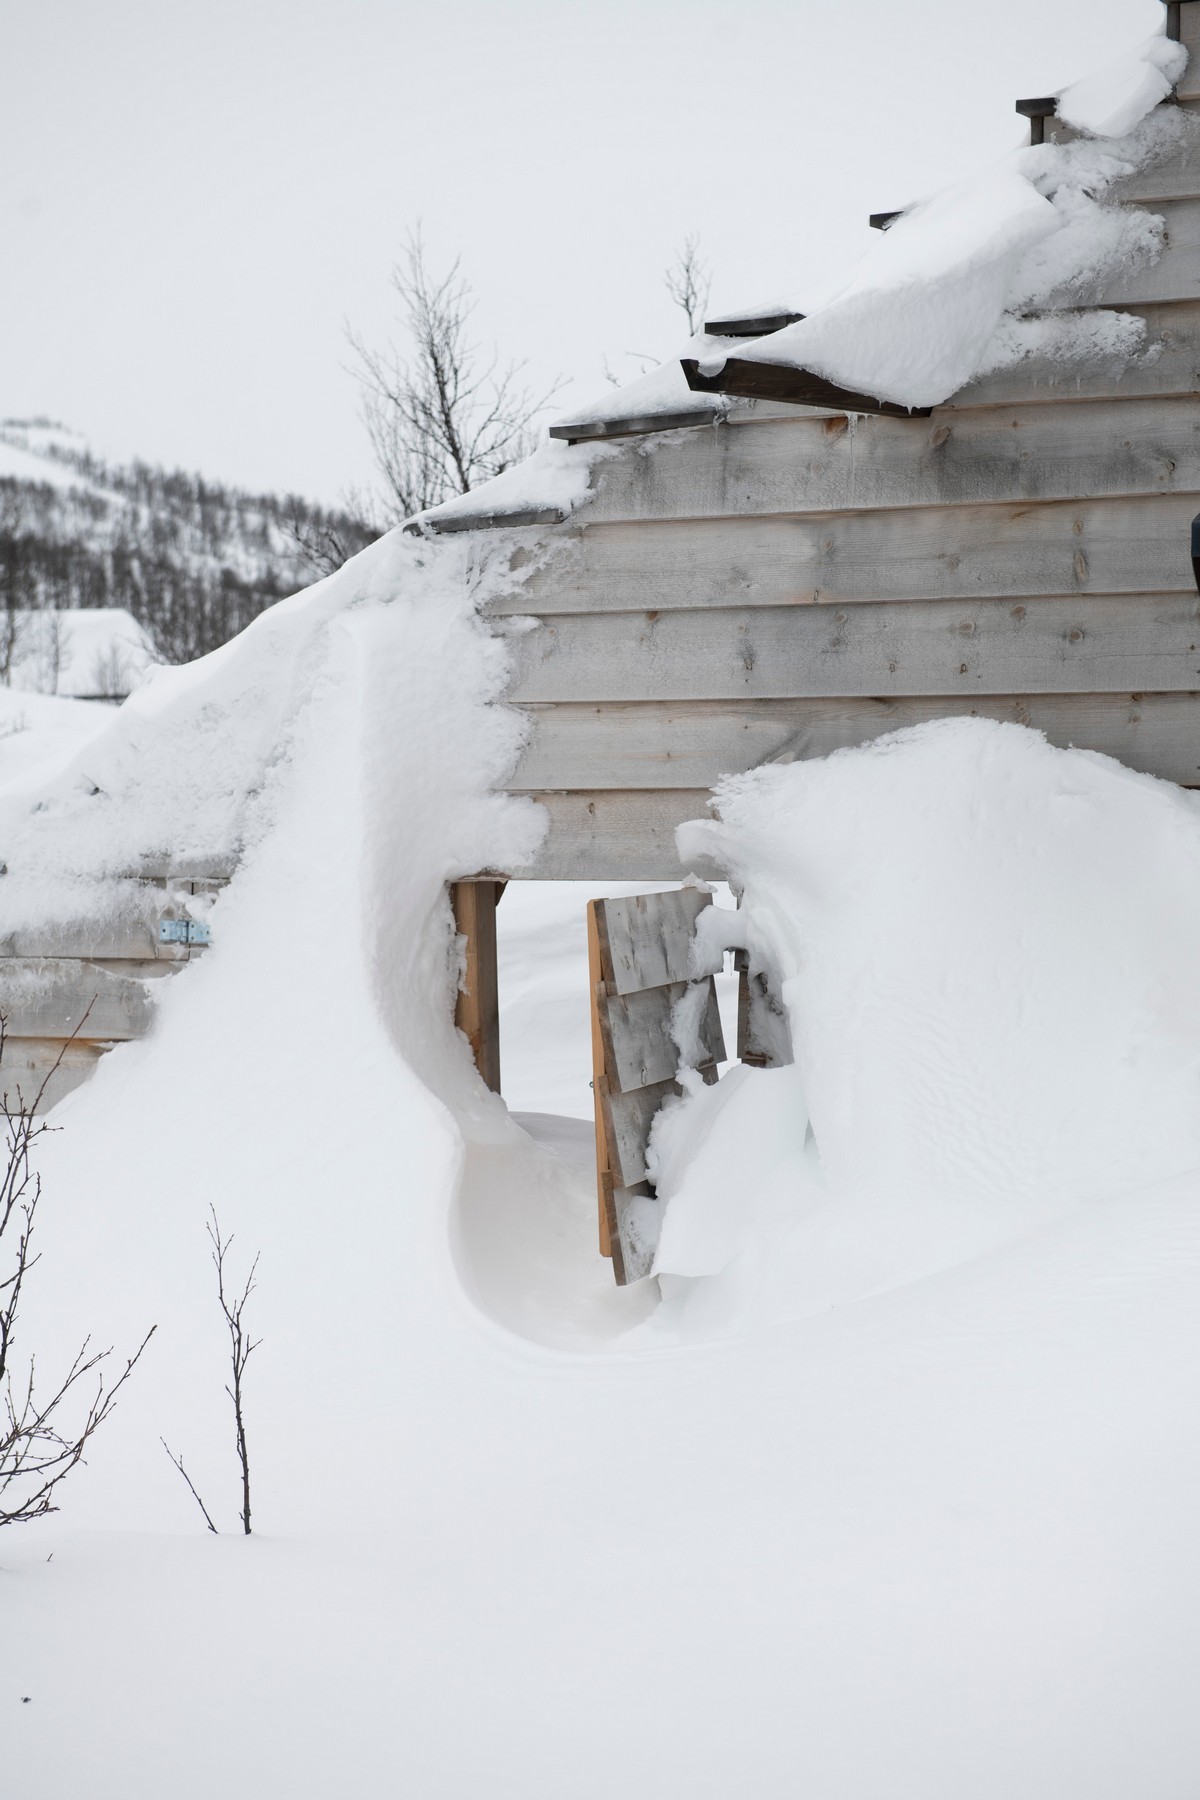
(805, 569)
(784, 569)
(786, 579)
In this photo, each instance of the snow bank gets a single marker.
(40, 732)
(947, 292)
(985, 948)
(184, 776)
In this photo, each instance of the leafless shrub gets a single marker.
(43, 1432)
(241, 1348)
(443, 418)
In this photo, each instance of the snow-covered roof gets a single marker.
(964, 283)
(93, 653)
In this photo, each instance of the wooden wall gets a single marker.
(791, 581)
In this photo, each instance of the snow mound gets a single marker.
(986, 950)
(184, 777)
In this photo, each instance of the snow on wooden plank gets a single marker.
(56, 997)
(638, 1047)
(1176, 274)
(635, 771)
(752, 325)
(1062, 645)
(633, 425)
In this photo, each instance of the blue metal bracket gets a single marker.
(183, 931)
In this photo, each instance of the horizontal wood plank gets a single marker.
(607, 836)
(988, 455)
(28, 1070)
(636, 771)
(54, 997)
(1022, 553)
(1076, 644)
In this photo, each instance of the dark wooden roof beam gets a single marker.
(751, 325)
(797, 387)
(635, 425)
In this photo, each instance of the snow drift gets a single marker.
(984, 945)
(934, 1542)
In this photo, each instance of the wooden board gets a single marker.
(1076, 450)
(634, 1223)
(638, 957)
(627, 1121)
(27, 1070)
(609, 1238)
(645, 939)
(1176, 274)
(639, 1050)
(929, 553)
(47, 997)
(600, 836)
(1166, 365)
(640, 769)
(759, 378)
(1082, 644)
(477, 1006)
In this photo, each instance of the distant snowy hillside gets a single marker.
(193, 561)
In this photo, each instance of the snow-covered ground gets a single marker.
(891, 1492)
(39, 731)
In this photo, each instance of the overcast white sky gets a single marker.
(197, 197)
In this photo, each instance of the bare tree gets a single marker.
(688, 281)
(43, 1433)
(322, 541)
(12, 619)
(241, 1347)
(443, 418)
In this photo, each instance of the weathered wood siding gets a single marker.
(792, 581)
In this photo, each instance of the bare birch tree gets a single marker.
(688, 280)
(445, 416)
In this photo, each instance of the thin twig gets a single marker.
(178, 1461)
